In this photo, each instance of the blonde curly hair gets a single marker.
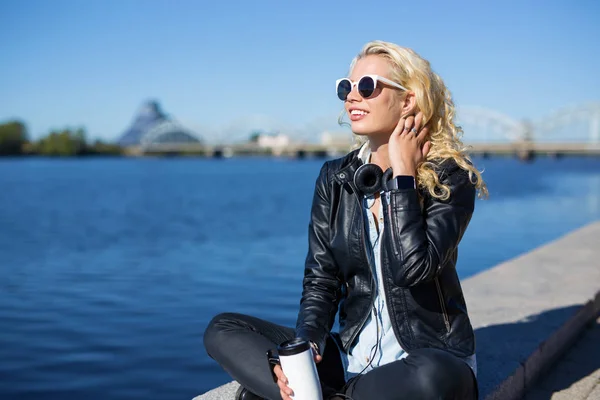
(434, 100)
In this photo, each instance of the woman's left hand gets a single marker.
(408, 145)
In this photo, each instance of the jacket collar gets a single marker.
(346, 174)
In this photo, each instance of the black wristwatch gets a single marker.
(402, 182)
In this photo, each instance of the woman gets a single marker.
(382, 254)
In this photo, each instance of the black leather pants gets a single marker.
(239, 343)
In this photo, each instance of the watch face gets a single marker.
(404, 182)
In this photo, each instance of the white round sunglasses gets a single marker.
(366, 86)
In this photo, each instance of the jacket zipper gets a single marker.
(443, 305)
(364, 319)
(388, 206)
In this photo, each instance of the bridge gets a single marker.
(570, 131)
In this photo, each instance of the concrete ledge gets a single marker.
(544, 356)
(224, 392)
(576, 375)
(526, 312)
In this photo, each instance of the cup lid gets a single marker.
(293, 346)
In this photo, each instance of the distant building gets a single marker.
(152, 126)
(274, 141)
(336, 139)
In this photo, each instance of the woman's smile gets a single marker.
(356, 114)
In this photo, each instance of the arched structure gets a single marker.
(571, 124)
(151, 127)
(483, 125)
(168, 132)
(576, 124)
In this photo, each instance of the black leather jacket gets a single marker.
(419, 253)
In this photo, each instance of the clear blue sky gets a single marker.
(224, 68)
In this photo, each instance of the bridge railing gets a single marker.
(574, 130)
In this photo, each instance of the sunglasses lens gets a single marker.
(344, 88)
(366, 86)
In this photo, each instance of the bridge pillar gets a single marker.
(525, 143)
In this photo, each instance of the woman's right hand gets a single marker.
(282, 382)
(284, 390)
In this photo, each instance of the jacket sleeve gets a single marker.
(421, 242)
(321, 285)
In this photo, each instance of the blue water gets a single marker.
(111, 268)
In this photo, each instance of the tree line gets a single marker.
(14, 141)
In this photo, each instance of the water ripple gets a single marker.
(111, 269)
